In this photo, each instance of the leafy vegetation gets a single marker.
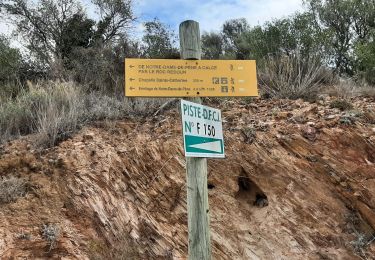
(65, 43)
(340, 32)
(79, 61)
(159, 41)
(10, 61)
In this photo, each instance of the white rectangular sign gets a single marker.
(202, 130)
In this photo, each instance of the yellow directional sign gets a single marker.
(190, 78)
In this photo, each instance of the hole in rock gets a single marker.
(370, 155)
(249, 192)
(261, 200)
(210, 186)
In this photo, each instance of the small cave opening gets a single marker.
(370, 155)
(244, 184)
(250, 192)
(261, 200)
(210, 186)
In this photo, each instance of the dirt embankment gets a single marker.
(298, 182)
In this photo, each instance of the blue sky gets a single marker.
(211, 14)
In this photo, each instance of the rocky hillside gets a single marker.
(116, 190)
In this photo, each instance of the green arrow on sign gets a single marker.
(197, 144)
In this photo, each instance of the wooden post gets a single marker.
(196, 168)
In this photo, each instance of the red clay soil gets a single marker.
(298, 182)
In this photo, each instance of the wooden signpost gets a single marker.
(196, 168)
(192, 77)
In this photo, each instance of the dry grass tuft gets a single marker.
(347, 88)
(293, 77)
(341, 104)
(12, 188)
(55, 110)
(50, 232)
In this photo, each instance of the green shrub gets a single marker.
(365, 51)
(10, 61)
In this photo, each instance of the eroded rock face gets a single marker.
(301, 189)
